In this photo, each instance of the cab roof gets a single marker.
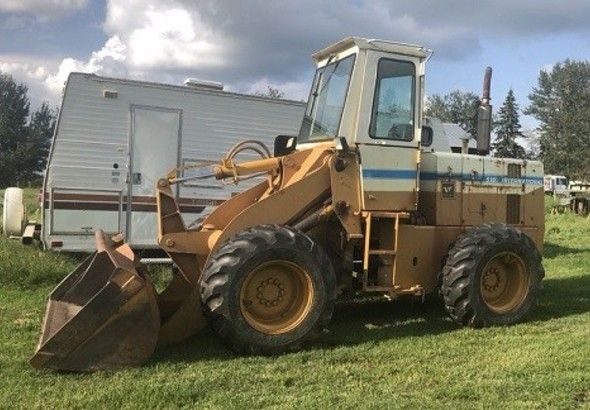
(372, 44)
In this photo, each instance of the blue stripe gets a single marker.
(431, 176)
(389, 173)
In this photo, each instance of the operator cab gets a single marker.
(370, 92)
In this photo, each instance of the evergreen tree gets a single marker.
(457, 107)
(14, 111)
(40, 133)
(24, 143)
(508, 128)
(561, 103)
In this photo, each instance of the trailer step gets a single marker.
(31, 232)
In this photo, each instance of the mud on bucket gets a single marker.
(103, 315)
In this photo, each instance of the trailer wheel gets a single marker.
(492, 276)
(268, 290)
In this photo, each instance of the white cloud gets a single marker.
(46, 82)
(148, 39)
(43, 9)
(169, 40)
(32, 74)
(109, 61)
(164, 35)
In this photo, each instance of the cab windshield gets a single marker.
(326, 101)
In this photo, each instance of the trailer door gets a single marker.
(154, 150)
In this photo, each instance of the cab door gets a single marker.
(389, 132)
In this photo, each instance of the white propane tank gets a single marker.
(13, 212)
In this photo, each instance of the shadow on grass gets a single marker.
(353, 322)
(376, 320)
(552, 250)
(562, 297)
(204, 346)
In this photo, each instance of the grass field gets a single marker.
(376, 354)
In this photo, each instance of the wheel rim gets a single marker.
(276, 296)
(505, 282)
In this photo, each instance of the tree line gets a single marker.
(25, 137)
(560, 102)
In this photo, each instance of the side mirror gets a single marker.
(427, 134)
(284, 144)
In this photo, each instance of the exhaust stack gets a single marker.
(484, 116)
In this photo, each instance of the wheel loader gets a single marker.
(357, 203)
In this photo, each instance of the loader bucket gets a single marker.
(103, 315)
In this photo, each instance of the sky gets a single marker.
(249, 44)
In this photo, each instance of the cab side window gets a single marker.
(393, 103)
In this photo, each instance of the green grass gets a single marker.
(376, 354)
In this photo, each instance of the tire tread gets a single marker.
(461, 262)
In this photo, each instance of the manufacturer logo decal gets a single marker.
(448, 190)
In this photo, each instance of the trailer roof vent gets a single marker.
(209, 85)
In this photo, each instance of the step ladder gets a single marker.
(369, 252)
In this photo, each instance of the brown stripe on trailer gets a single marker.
(114, 207)
(62, 196)
(97, 202)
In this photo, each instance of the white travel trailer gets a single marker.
(114, 138)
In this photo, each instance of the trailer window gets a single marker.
(393, 103)
(326, 100)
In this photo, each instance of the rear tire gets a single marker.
(268, 290)
(492, 276)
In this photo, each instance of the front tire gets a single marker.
(267, 290)
(492, 276)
